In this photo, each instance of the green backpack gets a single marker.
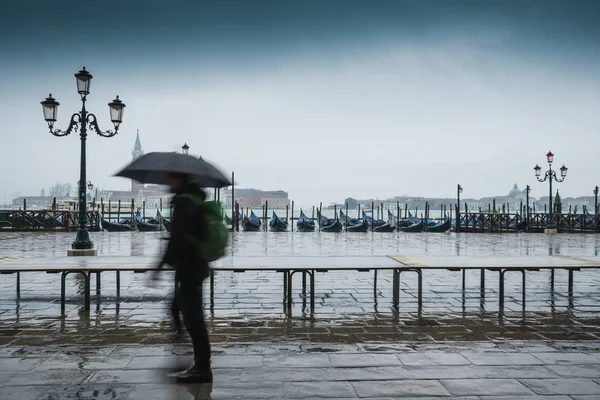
(213, 245)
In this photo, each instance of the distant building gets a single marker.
(151, 194)
(255, 198)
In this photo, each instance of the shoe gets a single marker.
(195, 375)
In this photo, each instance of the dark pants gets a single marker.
(189, 298)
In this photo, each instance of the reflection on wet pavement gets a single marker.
(248, 306)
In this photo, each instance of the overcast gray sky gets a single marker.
(322, 99)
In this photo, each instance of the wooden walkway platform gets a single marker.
(308, 266)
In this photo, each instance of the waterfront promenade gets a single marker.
(355, 345)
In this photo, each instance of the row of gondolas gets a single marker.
(158, 223)
(252, 223)
(304, 224)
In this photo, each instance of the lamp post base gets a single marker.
(82, 252)
(550, 231)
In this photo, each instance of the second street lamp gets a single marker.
(550, 175)
(82, 120)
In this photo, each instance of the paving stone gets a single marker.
(366, 374)
(514, 371)
(222, 393)
(20, 364)
(237, 361)
(562, 386)
(157, 362)
(23, 392)
(479, 387)
(501, 359)
(49, 377)
(534, 397)
(171, 391)
(299, 361)
(576, 371)
(364, 360)
(302, 390)
(278, 375)
(442, 372)
(399, 388)
(101, 392)
(128, 376)
(433, 358)
(569, 358)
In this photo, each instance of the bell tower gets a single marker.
(135, 154)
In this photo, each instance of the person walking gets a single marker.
(191, 268)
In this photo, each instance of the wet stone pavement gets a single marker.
(500, 370)
(460, 345)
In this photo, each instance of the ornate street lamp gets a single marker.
(550, 175)
(82, 120)
(459, 190)
(185, 148)
(596, 200)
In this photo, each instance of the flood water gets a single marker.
(316, 244)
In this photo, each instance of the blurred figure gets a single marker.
(191, 269)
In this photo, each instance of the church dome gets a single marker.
(515, 191)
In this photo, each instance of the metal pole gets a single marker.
(550, 224)
(82, 240)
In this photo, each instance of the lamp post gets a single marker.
(527, 191)
(459, 190)
(550, 175)
(82, 120)
(596, 200)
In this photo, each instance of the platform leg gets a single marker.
(97, 283)
(118, 283)
(570, 282)
(285, 283)
(63, 285)
(501, 289)
(482, 283)
(420, 289)
(375, 283)
(523, 288)
(304, 287)
(290, 277)
(312, 292)
(87, 301)
(396, 286)
(212, 289)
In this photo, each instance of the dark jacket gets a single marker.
(182, 253)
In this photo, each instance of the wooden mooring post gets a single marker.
(292, 221)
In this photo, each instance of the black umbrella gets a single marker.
(153, 167)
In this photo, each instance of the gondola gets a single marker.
(329, 225)
(305, 224)
(278, 224)
(440, 227)
(361, 226)
(389, 226)
(115, 227)
(152, 225)
(416, 227)
(251, 223)
(347, 221)
(373, 223)
(227, 219)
